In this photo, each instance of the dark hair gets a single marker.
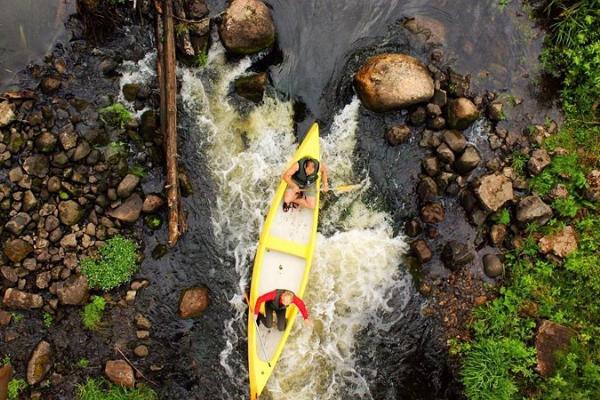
(311, 161)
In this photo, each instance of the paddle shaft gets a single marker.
(339, 188)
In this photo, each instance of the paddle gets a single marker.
(340, 188)
(262, 346)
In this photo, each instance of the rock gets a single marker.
(69, 212)
(46, 142)
(15, 142)
(427, 189)
(127, 185)
(458, 85)
(73, 291)
(68, 138)
(533, 209)
(430, 139)
(418, 116)
(50, 84)
(252, 87)
(444, 153)
(5, 318)
(142, 322)
(560, 243)
(81, 151)
(432, 213)
(16, 250)
(40, 363)
(7, 115)
(129, 211)
(455, 140)
(109, 67)
(397, 135)
(53, 184)
(6, 373)
(152, 203)
(15, 174)
(497, 234)
(36, 165)
(413, 228)
(120, 373)
(461, 113)
(550, 338)
(193, 302)
(196, 9)
(42, 280)
(29, 201)
(391, 81)
(130, 91)
(433, 110)
(141, 351)
(10, 274)
(593, 190)
(456, 254)
(559, 191)
(495, 111)
(468, 161)
(69, 241)
(492, 265)
(431, 166)
(51, 223)
(18, 223)
(15, 298)
(421, 250)
(538, 161)
(494, 191)
(148, 124)
(247, 27)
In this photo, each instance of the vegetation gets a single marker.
(94, 389)
(83, 363)
(15, 387)
(137, 170)
(91, 315)
(499, 362)
(115, 265)
(17, 317)
(48, 320)
(115, 115)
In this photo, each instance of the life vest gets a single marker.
(276, 303)
(300, 176)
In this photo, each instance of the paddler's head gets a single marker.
(287, 297)
(310, 166)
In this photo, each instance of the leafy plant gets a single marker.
(138, 170)
(115, 265)
(181, 29)
(503, 217)
(201, 59)
(15, 387)
(17, 317)
(6, 360)
(47, 319)
(566, 207)
(115, 115)
(94, 389)
(519, 162)
(83, 363)
(91, 315)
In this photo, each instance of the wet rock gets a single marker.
(69, 241)
(69, 212)
(461, 113)
(14, 298)
(6, 373)
(455, 140)
(42, 280)
(252, 87)
(550, 338)
(533, 209)
(456, 254)
(413, 228)
(109, 67)
(538, 161)
(10, 274)
(36, 165)
(40, 363)
(498, 234)
(29, 201)
(7, 114)
(120, 373)
(68, 138)
(127, 185)
(46, 142)
(458, 85)
(593, 190)
(247, 27)
(51, 223)
(152, 203)
(433, 110)
(421, 250)
(431, 166)
(130, 91)
(5, 319)
(81, 151)
(468, 161)
(432, 213)
(129, 211)
(418, 116)
(492, 265)
(16, 250)
(15, 174)
(445, 153)
(430, 139)
(15, 142)
(495, 111)
(73, 291)
(561, 243)
(50, 84)
(397, 135)
(193, 302)
(494, 191)
(18, 223)
(380, 77)
(437, 123)
(427, 189)
(142, 322)
(141, 351)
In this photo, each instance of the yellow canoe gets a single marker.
(283, 260)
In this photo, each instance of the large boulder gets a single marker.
(69, 212)
(494, 191)
(193, 302)
(391, 81)
(15, 298)
(16, 250)
(40, 363)
(120, 373)
(551, 337)
(456, 254)
(561, 243)
(247, 27)
(461, 113)
(533, 209)
(130, 210)
(7, 115)
(73, 291)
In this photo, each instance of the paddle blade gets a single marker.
(346, 188)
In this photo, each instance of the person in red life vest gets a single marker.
(277, 302)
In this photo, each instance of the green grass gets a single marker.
(519, 162)
(115, 115)
(138, 170)
(91, 315)
(48, 320)
(15, 388)
(116, 264)
(94, 389)
(502, 217)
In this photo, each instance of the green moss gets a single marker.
(115, 115)
(91, 315)
(83, 363)
(115, 265)
(153, 222)
(15, 388)
(94, 389)
(17, 317)
(48, 319)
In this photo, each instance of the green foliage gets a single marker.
(181, 29)
(94, 389)
(115, 265)
(48, 319)
(153, 222)
(91, 315)
(567, 207)
(17, 317)
(565, 169)
(5, 360)
(519, 162)
(15, 387)
(115, 115)
(502, 217)
(83, 363)
(137, 170)
(502, 4)
(201, 59)
(490, 366)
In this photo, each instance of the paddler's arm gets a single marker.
(287, 176)
(261, 299)
(301, 307)
(325, 176)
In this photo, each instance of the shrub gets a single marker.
(15, 387)
(91, 315)
(94, 389)
(115, 115)
(115, 265)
